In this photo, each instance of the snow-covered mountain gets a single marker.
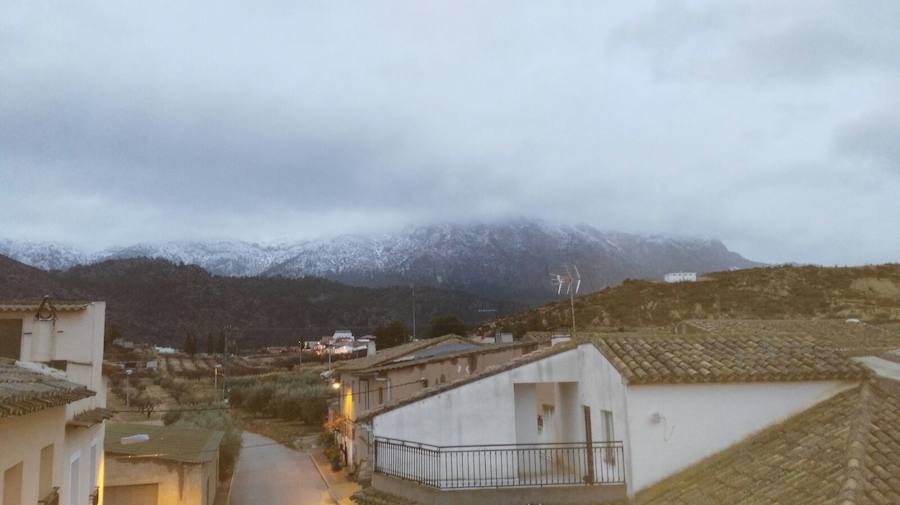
(43, 255)
(504, 261)
(231, 258)
(510, 261)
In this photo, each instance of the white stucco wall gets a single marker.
(21, 441)
(79, 442)
(698, 420)
(483, 412)
(695, 421)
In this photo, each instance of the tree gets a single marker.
(190, 344)
(112, 334)
(210, 345)
(220, 346)
(391, 334)
(443, 325)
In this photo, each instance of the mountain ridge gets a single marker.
(508, 261)
(155, 300)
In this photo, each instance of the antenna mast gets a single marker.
(572, 282)
(414, 310)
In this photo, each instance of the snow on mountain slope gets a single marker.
(509, 261)
(231, 258)
(43, 255)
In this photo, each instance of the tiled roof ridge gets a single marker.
(852, 488)
(388, 354)
(482, 349)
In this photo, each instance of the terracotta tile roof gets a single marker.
(524, 359)
(481, 349)
(703, 358)
(649, 358)
(850, 338)
(166, 442)
(384, 356)
(33, 305)
(90, 418)
(23, 391)
(844, 451)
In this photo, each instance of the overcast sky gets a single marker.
(774, 126)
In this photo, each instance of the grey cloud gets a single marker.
(291, 119)
(757, 42)
(873, 138)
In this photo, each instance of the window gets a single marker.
(93, 467)
(608, 436)
(364, 390)
(607, 419)
(380, 395)
(45, 479)
(11, 338)
(12, 485)
(74, 481)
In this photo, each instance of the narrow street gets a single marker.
(270, 474)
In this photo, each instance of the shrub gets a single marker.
(218, 420)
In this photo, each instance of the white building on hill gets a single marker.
(680, 277)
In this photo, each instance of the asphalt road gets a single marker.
(272, 474)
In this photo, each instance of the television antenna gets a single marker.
(571, 281)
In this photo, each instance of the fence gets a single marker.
(495, 466)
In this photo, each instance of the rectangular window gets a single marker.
(364, 391)
(45, 478)
(74, 481)
(380, 395)
(608, 434)
(11, 338)
(93, 468)
(12, 485)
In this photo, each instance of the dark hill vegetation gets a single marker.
(161, 302)
(871, 293)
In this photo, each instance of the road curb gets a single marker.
(234, 470)
(322, 476)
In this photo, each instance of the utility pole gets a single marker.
(414, 310)
(127, 388)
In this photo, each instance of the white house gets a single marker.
(596, 420)
(63, 341)
(680, 277)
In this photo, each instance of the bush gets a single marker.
(171, 417)
(296, 396)
(218, 420)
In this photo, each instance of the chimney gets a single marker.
(370, 348)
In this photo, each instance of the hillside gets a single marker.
(509, 261)
(158, 301)
(871, 293)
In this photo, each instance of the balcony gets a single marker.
(502, 466)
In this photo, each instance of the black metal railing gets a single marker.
(502, 465)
